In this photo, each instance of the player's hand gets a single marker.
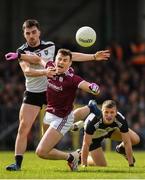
(94, 88)
(50, 72)
(102, 55)
(74, 127)
(77, 126)
(83, 167)
(12, 56)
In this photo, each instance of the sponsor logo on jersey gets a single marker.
(54, 87)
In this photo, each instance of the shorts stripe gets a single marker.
(61, 125)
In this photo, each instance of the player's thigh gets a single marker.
(135, 139)
(28, 113)
(116, 135)
(49, 140)
(81, 113)
(98, 157)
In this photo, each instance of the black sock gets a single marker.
(70, 158)
(19, 159)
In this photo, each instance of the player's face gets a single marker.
(109, 114)
(32, 36)
(62, 63)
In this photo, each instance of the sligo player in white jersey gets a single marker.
(35, 94)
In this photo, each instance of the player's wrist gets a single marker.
(131, 165)
(94, 88)
(94, 57)
(45, 72)
(19, 55)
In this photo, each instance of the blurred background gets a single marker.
(120, 27)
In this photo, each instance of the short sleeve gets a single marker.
(89, 127)
(77, 80)
(124, 127)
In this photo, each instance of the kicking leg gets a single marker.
(48, 141)
(46, 149)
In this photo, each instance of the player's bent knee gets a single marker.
(39, 152)
(97, 164)
(92, 162)
(137, 140)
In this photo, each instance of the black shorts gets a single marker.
(96, 142)
(37, 99)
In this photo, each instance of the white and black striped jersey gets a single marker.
(94, 125)
(46, 50)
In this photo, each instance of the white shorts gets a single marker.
(61, 124)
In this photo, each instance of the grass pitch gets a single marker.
(36, 168)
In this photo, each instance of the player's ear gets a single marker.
(39, 32)
(70, 62)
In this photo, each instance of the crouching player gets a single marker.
(105, 123)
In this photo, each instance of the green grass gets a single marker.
(36, 168)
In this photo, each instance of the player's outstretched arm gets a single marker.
(98, 56)
(34, 59)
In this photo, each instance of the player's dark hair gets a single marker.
(109, 104)
(30, 23)
(65, 52)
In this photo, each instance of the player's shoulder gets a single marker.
(120, 117)
(76, 80)
(70, 72)
(91, 119)
(47, 43)
(23, 47)
(121, 122)
(91, 123)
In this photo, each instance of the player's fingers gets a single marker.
(106, 51)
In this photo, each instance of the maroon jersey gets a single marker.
(61, 92)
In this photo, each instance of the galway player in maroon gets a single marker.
(60, 96)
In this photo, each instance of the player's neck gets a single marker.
(34, 45)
